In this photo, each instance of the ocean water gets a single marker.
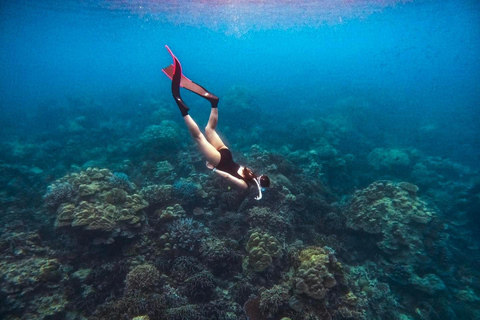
(364, 115)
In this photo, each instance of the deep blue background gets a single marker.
(415, 62)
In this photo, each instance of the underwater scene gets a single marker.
(240, 160)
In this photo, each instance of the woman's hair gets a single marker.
(264, 181)
(248, 174)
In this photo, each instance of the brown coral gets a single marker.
(98, 206)
(261, 248)
(316, 274)
(391, 210)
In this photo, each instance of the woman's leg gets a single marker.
(209, 151)
(212, 135)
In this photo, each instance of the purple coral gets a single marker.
(120, 180)
(57, 193)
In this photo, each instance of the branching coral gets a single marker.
(187, 233)
(265, 218)
(271, 300)
(186, 190)
(186, 312)
(219, 255)
(200, 286)
(184, 267)
(120, 180)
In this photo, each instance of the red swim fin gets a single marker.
(189, 84)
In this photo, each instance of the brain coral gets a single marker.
(391, 210)
(315, 275)
(99, 207)
(261, 248)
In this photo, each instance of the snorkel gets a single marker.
(262, 181)
(259, 188)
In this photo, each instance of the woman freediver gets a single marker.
(219, 158)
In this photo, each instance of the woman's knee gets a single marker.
(209, 130)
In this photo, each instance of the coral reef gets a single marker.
(157, 236)
(32, 280)
(187, 234)
(389, 159)
(315, 275)
(97, 206)
(143, 278)
(157, 194)
(394, 211)
(160, 137)
(261, 248)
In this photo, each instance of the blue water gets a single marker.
(78, 78)
(419, 59)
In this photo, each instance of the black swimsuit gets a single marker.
(227, 164)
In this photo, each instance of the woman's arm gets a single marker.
(238, 182)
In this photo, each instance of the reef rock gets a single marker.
(389, 159)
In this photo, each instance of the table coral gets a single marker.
(95, 204)
(262, 247)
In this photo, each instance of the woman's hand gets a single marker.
(209, 165)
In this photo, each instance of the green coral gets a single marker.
(262, 247)
(33, 286)
(100, 207)
(28, 273)
(392, 210)
(315, 275)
